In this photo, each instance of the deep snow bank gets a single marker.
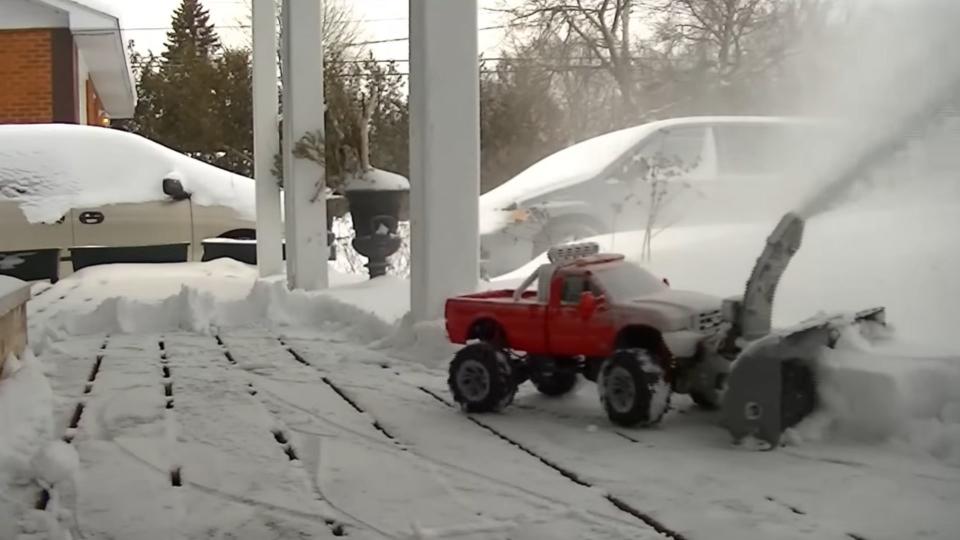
(204, 297)
(888, 390)
(30, 457)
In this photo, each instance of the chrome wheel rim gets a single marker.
(620, 390)
(473, 380)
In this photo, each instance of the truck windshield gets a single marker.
(626, 280)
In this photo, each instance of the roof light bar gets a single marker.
(572, 252)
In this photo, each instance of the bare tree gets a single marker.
(600, 29)
(716, 28)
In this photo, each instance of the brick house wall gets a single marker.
(40, 79)
(26, 76)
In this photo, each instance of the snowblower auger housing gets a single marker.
(772, 382)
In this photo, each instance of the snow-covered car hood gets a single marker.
(567, 167)
(51, 169)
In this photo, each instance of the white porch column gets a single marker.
(266, 138)
(444, 153)
(303, 106)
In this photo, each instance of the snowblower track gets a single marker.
(618, 503)
(631, 519)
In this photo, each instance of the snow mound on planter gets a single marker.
(887, 390)
(377, 180)
(50, 169)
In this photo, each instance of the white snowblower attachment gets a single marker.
(772, 382)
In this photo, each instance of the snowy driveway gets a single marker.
(259, 432)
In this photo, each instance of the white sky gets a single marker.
(146, 21)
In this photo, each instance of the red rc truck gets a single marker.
(594, 314)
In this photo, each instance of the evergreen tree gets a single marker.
(192, 35)
(233, 111)
(187, 96)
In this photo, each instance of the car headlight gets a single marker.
(520, 215)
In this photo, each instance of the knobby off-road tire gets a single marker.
(481, 379)
(632, 388)
(551, 377)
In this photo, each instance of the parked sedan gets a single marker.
(64, 186)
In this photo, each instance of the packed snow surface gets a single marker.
(50, 169)
(377, 180)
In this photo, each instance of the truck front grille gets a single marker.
(709, 321)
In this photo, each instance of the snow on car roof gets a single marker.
(51, 169)
(586, 159)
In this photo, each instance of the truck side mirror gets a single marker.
(588, 304)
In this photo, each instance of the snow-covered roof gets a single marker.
(50, 169)
(587, 159)
(96, 29)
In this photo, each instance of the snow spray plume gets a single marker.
(897, 74)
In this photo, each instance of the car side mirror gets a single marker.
(588, 304)
(174, 189)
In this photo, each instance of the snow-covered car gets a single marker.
(64, 186)
(698, 169)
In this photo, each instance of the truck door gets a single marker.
(569, 334)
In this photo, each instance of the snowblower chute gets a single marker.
(772, 382)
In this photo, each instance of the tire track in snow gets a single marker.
(571, 475)
(43, 499)
(793, 509)
(200, 360)
(343, 395)
(632, 521)
(176, 469)
(280, 435)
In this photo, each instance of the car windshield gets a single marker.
(627, 280)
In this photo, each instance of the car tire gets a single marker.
(632, 388)
(564, 230)
(481, 379)
(551, 377)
